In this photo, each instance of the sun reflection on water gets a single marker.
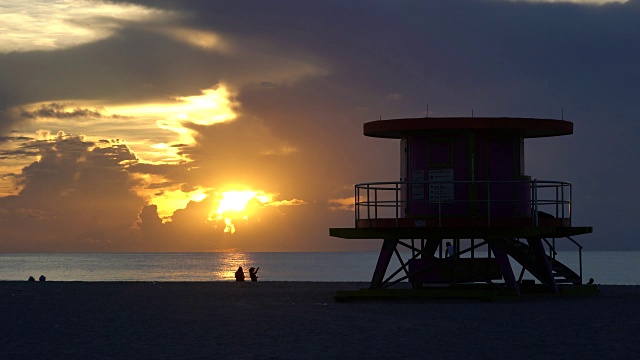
(229, 264)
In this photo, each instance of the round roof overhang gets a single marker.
(526, 127)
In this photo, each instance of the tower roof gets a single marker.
(527, 127)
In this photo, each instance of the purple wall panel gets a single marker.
(496, 158)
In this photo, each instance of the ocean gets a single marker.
(606, 267)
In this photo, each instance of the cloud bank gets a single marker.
(122, 124)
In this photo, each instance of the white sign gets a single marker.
(441, 175)
(441, 193)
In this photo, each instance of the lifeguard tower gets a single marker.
(464, 212)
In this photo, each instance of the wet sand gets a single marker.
(296, 320)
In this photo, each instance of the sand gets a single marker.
(296, 320)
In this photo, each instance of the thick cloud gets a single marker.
(305, 76)
(56, 110)
(76, 197)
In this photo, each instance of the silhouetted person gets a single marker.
(252, 273)
(590, 281)
(31, 278)
(42, 278)
(239, 274)
(450, 250)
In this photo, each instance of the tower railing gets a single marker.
(396, 200)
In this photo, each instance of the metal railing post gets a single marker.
(562, 199)
(556, 201)
(570, 199)
(535, 202)
(356, 204)
(439, 210)
(397, 204)
(531, 203)
(375, 202)
(488, 204)
(369, 204)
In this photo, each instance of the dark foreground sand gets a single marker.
(300, 320)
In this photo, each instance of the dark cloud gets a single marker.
(307, 75)
(268, 84)
(507, 60)
(14, 138)
(17, 146)
(75, 197)
(116, 152)
(59, 111)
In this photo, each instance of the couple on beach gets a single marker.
(252, 274)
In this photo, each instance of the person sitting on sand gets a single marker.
(31, 278)
(240, 274)
(43, 278)
(253, 273)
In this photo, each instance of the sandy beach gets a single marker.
(295, 320)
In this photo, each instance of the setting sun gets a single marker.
(236, 204)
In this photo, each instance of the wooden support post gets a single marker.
(500, 253)
(388, 248)
(541, 264)
(430, 248)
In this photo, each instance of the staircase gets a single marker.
(561, 273)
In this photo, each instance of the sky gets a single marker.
(237, 126)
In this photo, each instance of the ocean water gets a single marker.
(606, 267)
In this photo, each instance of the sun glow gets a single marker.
(238, 204)
(168, 196)
(212, 106)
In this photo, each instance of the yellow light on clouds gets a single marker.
(172, 200)
(202, 39)
(151, 129)
(169, 198)
(214, 105)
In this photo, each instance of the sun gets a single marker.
(235, 200)
(235, 204)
